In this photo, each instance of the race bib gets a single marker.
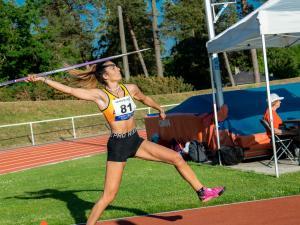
(124, 108)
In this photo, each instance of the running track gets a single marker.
(279, 211)
(34, 156)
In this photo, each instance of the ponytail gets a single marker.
(89, 77)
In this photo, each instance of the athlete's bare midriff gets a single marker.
(122, 127)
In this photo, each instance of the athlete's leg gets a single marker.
(113, 177)
(155, 152)
(151, 151)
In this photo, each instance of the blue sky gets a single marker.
(20, 2)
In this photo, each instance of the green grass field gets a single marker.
(64, 193)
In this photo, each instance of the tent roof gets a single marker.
(278, 20)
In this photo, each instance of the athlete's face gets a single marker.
(112, 71)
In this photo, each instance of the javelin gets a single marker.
(72, 67)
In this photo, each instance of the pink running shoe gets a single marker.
(205, 194)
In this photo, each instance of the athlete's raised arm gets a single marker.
(81, 93)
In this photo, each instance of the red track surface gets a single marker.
(280, 211)
(29, 157)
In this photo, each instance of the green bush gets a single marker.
(32, 92)
(160, 85)
(7, 94)
(282, 62)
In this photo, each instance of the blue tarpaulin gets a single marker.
(246, 107)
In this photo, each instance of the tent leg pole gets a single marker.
(215, 109)
(269, 102)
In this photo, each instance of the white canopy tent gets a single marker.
(278, 20)
(274, 24)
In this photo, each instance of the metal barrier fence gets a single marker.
(72, 120)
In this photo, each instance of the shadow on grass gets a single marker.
(75, 205)
(78, 206)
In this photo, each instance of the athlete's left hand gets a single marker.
(162, 115)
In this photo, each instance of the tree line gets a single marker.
(42, 35)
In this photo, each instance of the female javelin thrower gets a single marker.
(115, 101)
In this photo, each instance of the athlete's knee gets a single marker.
(178, 160)
(109, 196)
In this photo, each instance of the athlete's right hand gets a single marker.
(34, 78)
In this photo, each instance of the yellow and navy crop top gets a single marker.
(119, 109)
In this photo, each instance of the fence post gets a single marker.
(74, 131)
(32, 136)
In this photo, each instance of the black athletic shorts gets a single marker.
(120, 147)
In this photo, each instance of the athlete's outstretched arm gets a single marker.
(139, 95)
(84, 94)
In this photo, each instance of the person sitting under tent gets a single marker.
(279, 128)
